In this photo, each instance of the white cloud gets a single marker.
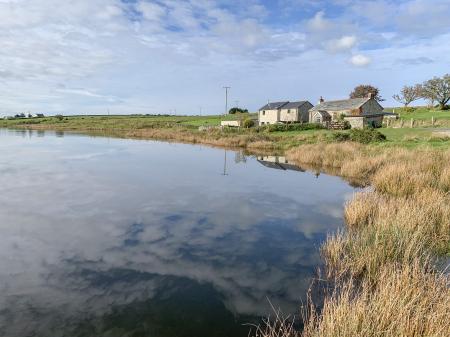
(342, 44)
(141, 52)
(319, 23)
(151, 11)
(360, 60)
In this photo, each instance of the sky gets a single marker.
(175, 56)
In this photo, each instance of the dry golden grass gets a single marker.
(332, 155)
(361, 254)
(405, 302)
(382, 264)
(277, 326)
(444, 180)
(261, 145)
(385, 229)
(401, 179)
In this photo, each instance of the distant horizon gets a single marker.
(162, 56)
(171, 114)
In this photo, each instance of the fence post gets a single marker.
(412, 122)
(432, 120)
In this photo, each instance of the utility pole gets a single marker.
(226, 99)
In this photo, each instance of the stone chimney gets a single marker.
(370, 95)
(321, 100)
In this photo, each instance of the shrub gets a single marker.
(59, 117)
(364, 136)
(341, 137)
(248, 123)
(294, 127)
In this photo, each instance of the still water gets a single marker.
(111, 237)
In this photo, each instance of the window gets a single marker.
(289, 111)
(264, 112)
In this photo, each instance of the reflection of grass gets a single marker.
(386, 284)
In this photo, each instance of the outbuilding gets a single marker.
(284, 112)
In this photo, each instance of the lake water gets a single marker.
(112, 237)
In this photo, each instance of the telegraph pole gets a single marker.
(225, 165)
(226, 99)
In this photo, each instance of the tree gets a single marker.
(409, 94)
(237, 110)
(437, 90)
(363, 90)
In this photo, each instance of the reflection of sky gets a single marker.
(75, 209)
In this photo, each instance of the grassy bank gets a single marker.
(186, 129)
(386, 265)
(169, 128)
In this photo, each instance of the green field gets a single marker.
(122, 121)
(186, 128)
(420, 113)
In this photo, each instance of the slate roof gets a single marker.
(323, 113)
(294, 105)
(274, 105)
(345, 104)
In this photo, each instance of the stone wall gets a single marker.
(268, 117)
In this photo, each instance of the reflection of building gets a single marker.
(279, 163)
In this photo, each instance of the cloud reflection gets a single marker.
(90, 225)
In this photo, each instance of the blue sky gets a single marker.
(167, 56)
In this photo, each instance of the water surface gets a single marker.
(111, 237)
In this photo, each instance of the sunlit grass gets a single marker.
(384, 263)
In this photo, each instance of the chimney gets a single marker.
(370, 95)
(321, 100)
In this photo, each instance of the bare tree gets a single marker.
(408, 94)
(363, 90)
(437, 90)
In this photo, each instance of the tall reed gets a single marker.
(384, 267)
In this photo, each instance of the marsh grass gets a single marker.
(405, 302)
(384, 264)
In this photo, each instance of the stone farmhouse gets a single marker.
(359, 112)
(284, 112)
